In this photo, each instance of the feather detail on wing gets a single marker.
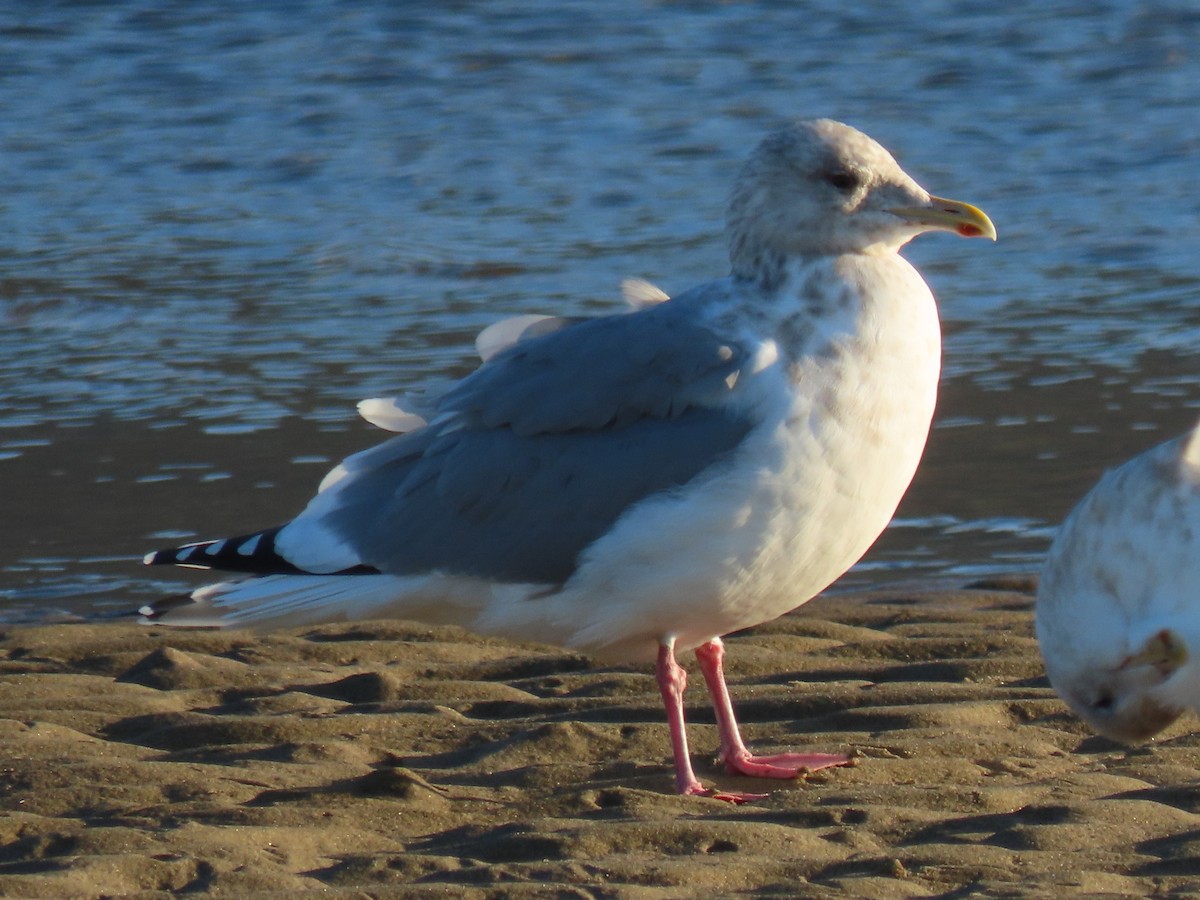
(639, 294)
(531, 458)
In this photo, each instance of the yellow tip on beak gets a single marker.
(949, 215)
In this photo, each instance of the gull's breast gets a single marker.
(842, 428)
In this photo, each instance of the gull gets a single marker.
(1116, 609)
(640, 484)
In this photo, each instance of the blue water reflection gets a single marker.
(223, 224)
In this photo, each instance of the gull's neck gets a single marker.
(772, 272)
(780, 278)
(765, 269)
(804, 302)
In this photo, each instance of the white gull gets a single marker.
(1117, 617)
(642, 483)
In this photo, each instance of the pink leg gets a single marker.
(733, 753)
(672, 681)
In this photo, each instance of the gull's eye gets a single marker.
(843, 180)
(1103, 702)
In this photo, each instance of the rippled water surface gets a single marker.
(224, 224)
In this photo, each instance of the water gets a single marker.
(222, 225)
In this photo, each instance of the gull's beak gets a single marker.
(1165, 650)
(948, 215)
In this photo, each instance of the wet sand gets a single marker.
(393, 760)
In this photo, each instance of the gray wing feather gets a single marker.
(601, 372)
(509, 507)
(544, 447)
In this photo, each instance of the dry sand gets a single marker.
(387, 759)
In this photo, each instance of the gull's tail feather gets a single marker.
(290, 601)
(286, 601)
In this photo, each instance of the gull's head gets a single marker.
(821, 188)
(1124, 689)
(1116, 616)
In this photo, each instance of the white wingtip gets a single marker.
(639, 293)
(504, 334)
(1191, 449)
(388, 414)
(332, 477)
